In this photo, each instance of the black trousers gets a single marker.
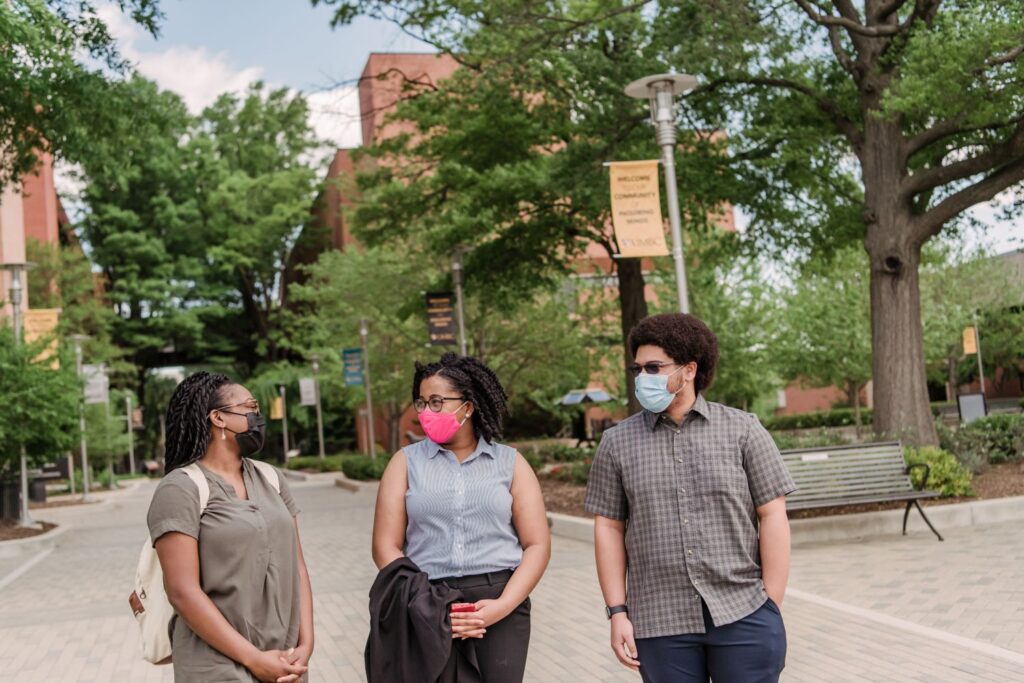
(500, 655)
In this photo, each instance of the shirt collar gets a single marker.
(700, 407)
(483, 447)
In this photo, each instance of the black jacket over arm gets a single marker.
(410, 626)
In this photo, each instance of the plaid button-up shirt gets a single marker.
(689, 495)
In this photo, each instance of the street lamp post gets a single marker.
(78, 339)
(660, 91)
(131, 436)
(459, 306)
(315, 363)
(16, 269)
(364, 337)
(284, 421)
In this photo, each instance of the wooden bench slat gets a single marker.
(860, 500)
(847, 476)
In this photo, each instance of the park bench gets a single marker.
(37, 481)
(837, 476)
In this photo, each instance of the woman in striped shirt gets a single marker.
(469, 513)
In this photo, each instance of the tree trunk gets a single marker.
(952, 373)
(902, 410)
(633, 309)
(853, 396)
(897, 338)
(394, 427)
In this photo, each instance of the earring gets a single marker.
(223, 434)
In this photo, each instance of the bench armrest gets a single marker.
(927, 472)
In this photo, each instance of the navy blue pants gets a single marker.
(751, 650)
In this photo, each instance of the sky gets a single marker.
(207, 47)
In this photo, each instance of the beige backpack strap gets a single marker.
(269, 473)
(199, 479)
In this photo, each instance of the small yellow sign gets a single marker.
(970, 341)
(277, 408)
(41, 324)
(636, 208)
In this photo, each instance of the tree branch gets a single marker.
(847, 62)
(827, 106)
(1006, 57)
(851, 25)
(886, 9)
(930, 223)
(936, 176)
(950, 127)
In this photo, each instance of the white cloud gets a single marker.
(334, 115)
(195, 73)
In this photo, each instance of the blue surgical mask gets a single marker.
(652, 391)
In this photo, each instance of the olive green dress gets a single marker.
(248, 565)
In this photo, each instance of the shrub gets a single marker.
(573, 473)
(330, 463)
(993, 439)
(561, 453)
(969, 448)
(840, 417)
(363, 468)
(532, 458)
(947, 475)
(823, 437)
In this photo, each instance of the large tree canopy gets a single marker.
(57, 60)
(879, 122)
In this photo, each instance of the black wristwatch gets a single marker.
(615, 609)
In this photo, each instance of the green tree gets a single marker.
(507, 154)
(144, 227)
(824, 335)
(257, 212)
(959, 290)
(106, 432)
(57, 65)
(193, 221)
(41, 404)
(535, 346)
(740, 305)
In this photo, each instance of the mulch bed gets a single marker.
(10, 531)
(997, 481)
(61, 503)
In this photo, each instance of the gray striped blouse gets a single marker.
(460, 514)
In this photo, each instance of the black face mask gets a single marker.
(250, 442)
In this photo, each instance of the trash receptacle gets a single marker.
(37, 490)
(10, 501)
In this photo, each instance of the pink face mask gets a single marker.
(440, 427)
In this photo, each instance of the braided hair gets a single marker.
(477, 383)
(188, 424)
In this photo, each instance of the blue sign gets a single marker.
(352, 367)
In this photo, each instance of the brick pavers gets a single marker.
(860, 611)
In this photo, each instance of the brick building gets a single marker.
(29, 210)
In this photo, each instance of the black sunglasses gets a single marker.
(652, 368)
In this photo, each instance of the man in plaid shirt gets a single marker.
(691, 533)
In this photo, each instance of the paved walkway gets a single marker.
(903, 609)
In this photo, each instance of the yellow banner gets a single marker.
(636, 208)
(41, 323)
(277, 408)
(970, 341)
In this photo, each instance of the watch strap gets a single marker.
(615, 609)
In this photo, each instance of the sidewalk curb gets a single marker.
(855, 526)
(354, 486)
(32, 545)
(293, 475)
